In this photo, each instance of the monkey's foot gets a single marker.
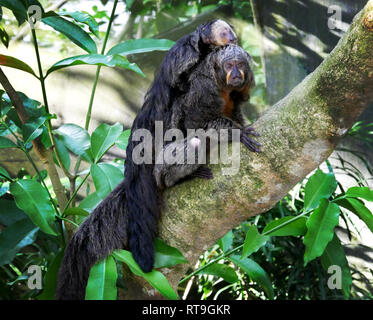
(203, 173)
(249, 143)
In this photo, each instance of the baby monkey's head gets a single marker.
(232, 68)
(218, 33)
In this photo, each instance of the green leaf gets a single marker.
(10, 213)
(4, 173)
(296, 228)
(155, 278)
(50, 278)
(221, 271)
(102, 281)
(357, 207)
(6, 143)
(76, 139)
(334, 255)
(103, 138)
(105, 177)
(62, 151)
(32, 128)
(12, 62)
(226, 242)
(18, 9)
(360, 192)
(253, 242)
(91, 202)
(18, 235)
(320, 229)
(75, 33)
(140, 46)
(83, 18)
(4, 37)
(96, 60)
(33, 199)
(167, 256)
(76, 212)
(255, 272)
(122, 141)
(320, 185)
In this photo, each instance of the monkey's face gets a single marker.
(219, 33)
(236, 73)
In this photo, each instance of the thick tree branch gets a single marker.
(297, 134)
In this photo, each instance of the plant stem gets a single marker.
(75, 193)
(228, 253)
(89, 112)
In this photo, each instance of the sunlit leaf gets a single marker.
(140, 46)
(295, 228)
(96, 60)
(226, 242)
(102, 281)
(105, 177)
(83, 18)
(166, 256)
(360, 192)
(155, 278)
(320, 185)
(15, 63)
(320, 229)
(253, 241)
(33, 199)
(221, 271)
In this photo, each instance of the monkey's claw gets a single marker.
(203, 173)
(251, 144)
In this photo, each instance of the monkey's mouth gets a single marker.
(236, 82)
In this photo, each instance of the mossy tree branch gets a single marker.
(297, 134)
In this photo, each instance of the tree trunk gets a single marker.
(297, 134)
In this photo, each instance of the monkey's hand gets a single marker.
(203, 173)
(250, 143)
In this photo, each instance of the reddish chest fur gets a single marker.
(228, 103)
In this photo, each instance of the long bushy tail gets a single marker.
(143, 207)
(104, 230)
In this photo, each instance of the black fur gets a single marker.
(135, 202)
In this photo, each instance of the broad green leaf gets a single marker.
(358, 207)
(155, 278)
(296, 228)
(320, 185)
(62, 151)
(72, 31)
(334, 255)
(4, 174)
(32, 129)
(360, 192)
(50, 278)
(122, 141)
(226, 242)
(103, 138)
(83, 18)
(255, 272)
(222, 271)
(6, 143)
(33, 199)
(320, 229)
(91, 202)
(105, 178)
(140, 46)
(76, 212)
(12, 62)
(166, 256)
(102, 281)
(76, 139)
(10, 213)
(253, 241)
(16, 236)
(96, 60)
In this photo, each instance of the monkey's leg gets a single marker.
(174, 164)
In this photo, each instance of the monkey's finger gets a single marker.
(251, 131)
(203, 172)
(249, 144)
